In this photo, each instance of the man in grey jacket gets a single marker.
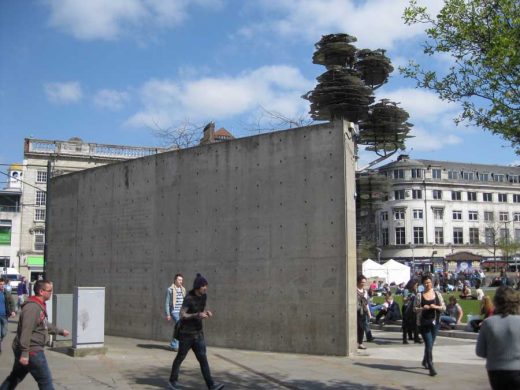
(31, 337)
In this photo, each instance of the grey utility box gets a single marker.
(62, 314)
(88, 321)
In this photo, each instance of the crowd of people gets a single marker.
(424, 313)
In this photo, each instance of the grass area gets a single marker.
(470, 306)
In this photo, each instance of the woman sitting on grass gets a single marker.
(486, 310)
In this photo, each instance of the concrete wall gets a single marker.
(263, 218)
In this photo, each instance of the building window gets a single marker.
(39, 215)
(489, 236)
(399, 194)
(488, 216)
(499, 177)
(472, 196)
(436, 173)
(439, 235)
(456, 195)
(417, 214)
(504, 234)
(41, 197)
(516, 198)
(437, 194)
(384, 236)
(399, 214)
(417, 194)
(473, 236)
(467, 175)
(516, 217)
(517, 235)
(457, 236)
(41, 177)
(384, 215)
(5, 232)
(418, 235)
(438, 213)
(514, 179)
(473, 215)
(487, 197)
(454, 175)
(457, 215)
(503, 216)
(400, 236)
(502, 198)
(483, 176)
(417, 173)
(39, 239)
(398, 173)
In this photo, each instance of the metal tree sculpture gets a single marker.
(345, 91)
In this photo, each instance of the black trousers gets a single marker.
(504, 380)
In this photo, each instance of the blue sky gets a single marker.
(110, 71)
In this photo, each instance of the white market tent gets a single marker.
(396, 272)
(371, 269)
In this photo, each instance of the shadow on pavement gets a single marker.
(393, 367)
(154, 346)
(191, 379)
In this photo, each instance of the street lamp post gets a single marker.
(412, 247)
(378, 255)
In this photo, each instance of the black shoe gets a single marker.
(370, 340)
(217, 386)
(425, 363)
(173, 386)
(418, 341)
(405, 341)
(432, 370)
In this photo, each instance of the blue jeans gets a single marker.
(174, 343)
(448, 320)
(197, 344)
(428, 333)
(3, 327)
(38, 368)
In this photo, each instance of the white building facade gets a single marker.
(44, 157)
(437, 209)
(10, 218)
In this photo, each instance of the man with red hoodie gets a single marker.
(31, 337)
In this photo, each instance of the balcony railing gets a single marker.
(88, 149)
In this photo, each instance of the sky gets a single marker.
(116, 71)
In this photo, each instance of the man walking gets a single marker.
(31, 336)
(6, 310)
(191, 335)
(174, 297)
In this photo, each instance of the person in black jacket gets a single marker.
(6, 311)
(191, 335)
(390, 309)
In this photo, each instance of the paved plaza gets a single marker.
(144, 364)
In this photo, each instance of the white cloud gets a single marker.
(277, 88)
(422, 105)
(63, 93)
(425, 141)
(376, 23)
(111, 99)
(109, 20)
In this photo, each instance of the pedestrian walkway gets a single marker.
(143, 364)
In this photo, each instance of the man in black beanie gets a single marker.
(191, 335)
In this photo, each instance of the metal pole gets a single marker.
(46, 234)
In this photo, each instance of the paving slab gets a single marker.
(387, 364)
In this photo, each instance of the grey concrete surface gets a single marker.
(269, 220)
(385, 365)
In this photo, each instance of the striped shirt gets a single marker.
(178, 300)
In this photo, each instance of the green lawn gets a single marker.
(471, 306)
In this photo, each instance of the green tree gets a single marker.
(483, 39)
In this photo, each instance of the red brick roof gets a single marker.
(223, 133)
